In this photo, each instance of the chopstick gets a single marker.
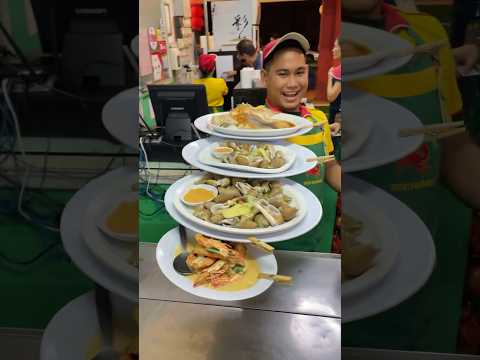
(427, 48)
(438, 131)
(260, 244)
(282, 279)
(322, 159)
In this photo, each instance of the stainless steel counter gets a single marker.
(296, 322)
(315, 289)
(172, 331)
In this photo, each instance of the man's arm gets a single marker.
(333, 175)
(461, 168)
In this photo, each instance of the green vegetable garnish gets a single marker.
(213, 250)
(237, 268)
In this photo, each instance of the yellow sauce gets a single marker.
(244, 282)
(198, 195)
(124, 219)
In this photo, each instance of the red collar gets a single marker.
(304, 112)
(393, 19)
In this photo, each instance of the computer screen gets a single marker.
(54, 18)
(176, 107)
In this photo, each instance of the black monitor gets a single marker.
(176, 107)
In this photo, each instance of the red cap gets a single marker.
(206, 62)
(270, 47)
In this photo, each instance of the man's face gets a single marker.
(286, 79)
(360, 7)
(247, 60)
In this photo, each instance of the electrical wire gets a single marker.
(20, 145)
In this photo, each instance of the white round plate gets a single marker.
(110, 251)
(378, 41)
(414, 264)
(289, 188)
(359, 131)
(233, 130)
(61, 340)
(71, 232)
(377, 230)
(191, 153)
(120, 117)
(384, 145)
(202, 124)
(166, 249)
(109, 204)
(206, 157)
(312, 218)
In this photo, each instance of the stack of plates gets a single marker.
(199, 155)
(103, 256)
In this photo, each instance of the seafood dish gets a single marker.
(357, 257)
(216, 263)
(246, 203)
(352, 49)
(245, 116)
(265, 156)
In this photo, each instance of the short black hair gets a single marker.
(288, 44)
(245, 46)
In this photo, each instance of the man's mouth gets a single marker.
(290, 95)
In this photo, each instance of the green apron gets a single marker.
(315, 239)
(427, 321)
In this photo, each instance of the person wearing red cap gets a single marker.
(216, 87)
(285, 75)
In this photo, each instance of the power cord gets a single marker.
(8, 101)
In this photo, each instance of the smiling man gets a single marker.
(285, 75)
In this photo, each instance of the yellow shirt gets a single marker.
(216, 90)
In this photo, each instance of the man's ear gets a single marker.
(263, 73)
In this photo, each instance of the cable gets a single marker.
(5, 89)
(33, 259)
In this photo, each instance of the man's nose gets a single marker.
(292, 82)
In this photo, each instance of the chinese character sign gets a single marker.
(232, 20)
(239, 24)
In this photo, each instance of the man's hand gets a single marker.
(229, 74)
(460, 167)
(335, 128)
(466, 57)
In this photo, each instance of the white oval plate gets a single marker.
(191, 155)
(383, 146)
(233, 130)
(359, 130)
(101, 221)
(313, 216)
(202, 124)
(378, 41)
(187, 211)
(166, 249)
(207, 158)
(113, 253)
(415, 263)
(377, 230)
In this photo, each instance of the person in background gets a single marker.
(334, 84)
(248, 56)
(216, 87)
(285, 75)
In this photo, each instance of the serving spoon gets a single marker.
(180, 261)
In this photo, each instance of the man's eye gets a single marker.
(283, 73)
